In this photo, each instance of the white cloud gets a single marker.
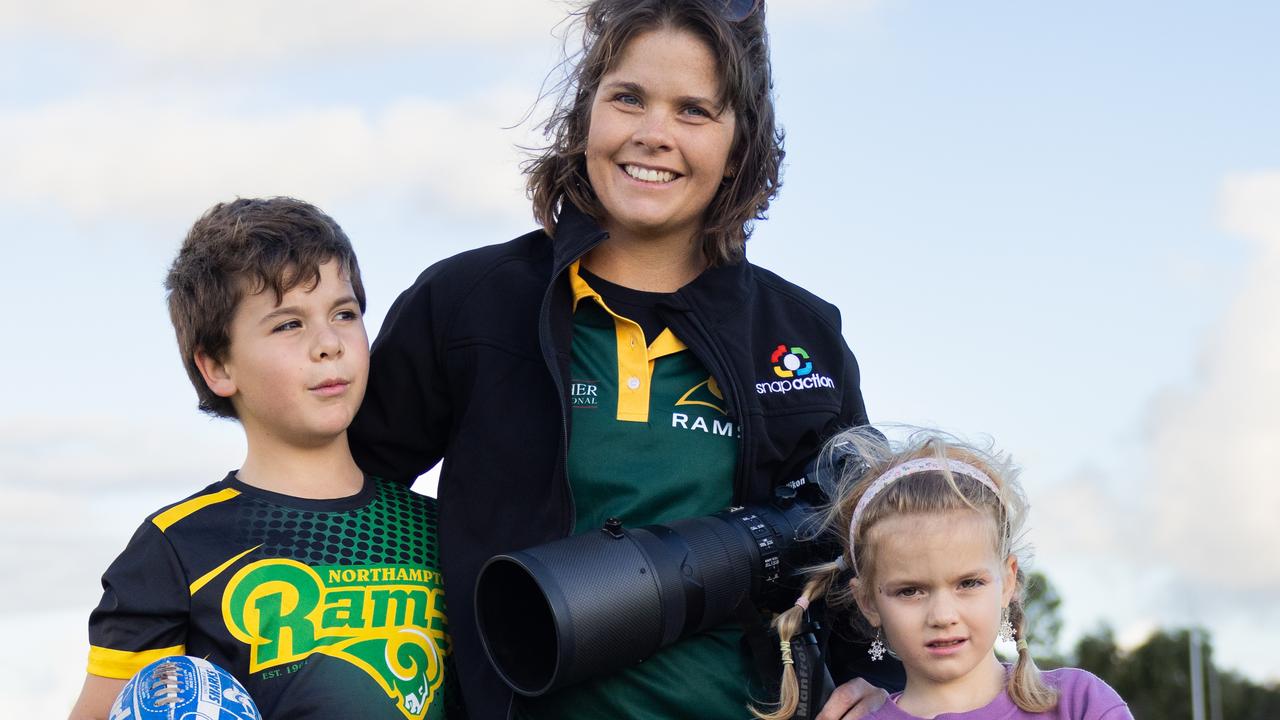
(46, 459)
(237, 31)
(1214, 448)
(138, 155)
(1180, 528)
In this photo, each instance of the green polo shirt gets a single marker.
(650, 443)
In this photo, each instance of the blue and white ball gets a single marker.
(183, 688)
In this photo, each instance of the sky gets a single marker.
(1056, 225)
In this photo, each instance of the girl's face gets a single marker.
(939, 588)
(658, 145)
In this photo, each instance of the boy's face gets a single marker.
(296, 371)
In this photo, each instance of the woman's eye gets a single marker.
(287, 325)
(627, 99)
(698, 111)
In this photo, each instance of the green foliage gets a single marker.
(1155, 677)
(1043, 607)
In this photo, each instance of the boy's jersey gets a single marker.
(322, 608)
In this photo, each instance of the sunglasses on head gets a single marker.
(739, 10)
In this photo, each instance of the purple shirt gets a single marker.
(1081, 696)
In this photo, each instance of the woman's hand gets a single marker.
(852, 700)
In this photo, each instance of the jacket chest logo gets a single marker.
(793, 370)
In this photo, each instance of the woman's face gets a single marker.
(658, 145)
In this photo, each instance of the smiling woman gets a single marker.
(657, 153)
(553, 374)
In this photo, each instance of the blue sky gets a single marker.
(1055, 224)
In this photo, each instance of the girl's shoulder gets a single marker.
(1085, 696)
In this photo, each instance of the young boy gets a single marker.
(315, 585)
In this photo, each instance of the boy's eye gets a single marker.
(287, 325)
(347, 315)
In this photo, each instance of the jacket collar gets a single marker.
(576, 233)
(717, 292)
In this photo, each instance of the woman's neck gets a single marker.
(651, 265)
(926, 698)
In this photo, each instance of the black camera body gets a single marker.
(594, 603)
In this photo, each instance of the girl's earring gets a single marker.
(877, 649)
(1007, 633)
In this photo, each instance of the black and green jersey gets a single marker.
(322, 608)
(649, 443)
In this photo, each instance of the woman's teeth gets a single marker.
(648, 175)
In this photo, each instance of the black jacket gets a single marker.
(471, 366)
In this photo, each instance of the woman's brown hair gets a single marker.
(558, 175)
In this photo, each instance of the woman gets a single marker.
(625, 360)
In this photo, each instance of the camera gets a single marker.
(597, 602)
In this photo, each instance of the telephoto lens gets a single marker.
(591, 604)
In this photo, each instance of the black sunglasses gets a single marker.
(739, 10)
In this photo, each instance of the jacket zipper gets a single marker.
(552, 361)
(709, 353)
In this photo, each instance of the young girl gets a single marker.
(932, 530)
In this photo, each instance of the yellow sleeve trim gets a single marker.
(122, 664)
(183, 509)
(204, 579)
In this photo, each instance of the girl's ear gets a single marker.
(866, 603)
(215, 374)
(1010, 577)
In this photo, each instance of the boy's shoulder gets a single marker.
(229, 510)
(212, 494)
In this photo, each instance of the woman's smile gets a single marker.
(659, 142)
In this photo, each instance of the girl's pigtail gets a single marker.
(787, 624)
(1027, 687)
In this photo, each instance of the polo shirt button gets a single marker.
(633, 383)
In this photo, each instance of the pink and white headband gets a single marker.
(911, 467)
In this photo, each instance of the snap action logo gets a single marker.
(795, 367)
(791, 363)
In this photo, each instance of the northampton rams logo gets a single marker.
(791, 362)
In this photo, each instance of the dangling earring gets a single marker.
(1006, 633)
(877, 649)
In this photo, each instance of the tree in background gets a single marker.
(1043, 607)
(1155, 678)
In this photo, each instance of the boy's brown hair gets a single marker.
(246, 246)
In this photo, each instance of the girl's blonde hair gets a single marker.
(861, 455)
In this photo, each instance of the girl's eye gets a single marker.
(908, 592)
(287, 325)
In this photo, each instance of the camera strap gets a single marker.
(812, 675)
(763, 646)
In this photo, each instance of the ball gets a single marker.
(183, 688)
